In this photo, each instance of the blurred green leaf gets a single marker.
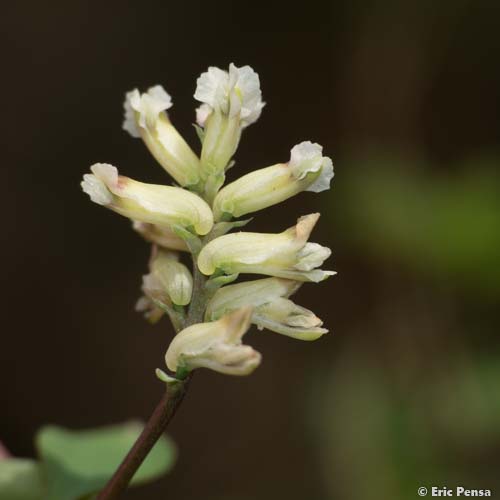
(21, 479)
(398, 435)
(442, 225)
(78, 463)
(471, 392)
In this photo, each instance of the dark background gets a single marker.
(404, 96)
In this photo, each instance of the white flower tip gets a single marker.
(235, 93)
(247, 86)
(96, 189)
(211, 87)
(322, 183)
(306, 158)
(161, 98)
(96, 185)
(106, 173)
(147, 106)
(202, 114)
(129, 124)
(311, 256)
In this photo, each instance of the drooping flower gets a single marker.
(150, 203)
(307, 170)
(271, 307)
(146, 117)
(284, 255)
(215, 345)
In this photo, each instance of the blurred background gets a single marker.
(404, 96)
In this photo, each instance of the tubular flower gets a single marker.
(215, 345)
(271, 307)
(151, 203)
(284, 255)
(307, 170)
(146, 117)
(231, 101)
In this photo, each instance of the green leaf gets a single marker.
(21, 479)
(78, 463)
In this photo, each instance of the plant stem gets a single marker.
(168, 405)
(163, 413)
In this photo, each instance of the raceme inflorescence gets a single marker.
(211, 313)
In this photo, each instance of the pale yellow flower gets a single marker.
(151, 203)
(284, 255)
(146, 117)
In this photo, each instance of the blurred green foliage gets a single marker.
(379, 441)
(21, 479)
(411, 400)
(444, 225)
(75, 464)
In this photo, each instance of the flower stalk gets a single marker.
(209, 313)
(154, 428)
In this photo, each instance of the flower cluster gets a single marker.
(210, 313)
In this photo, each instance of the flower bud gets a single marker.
(146, 117)
(150, 203)
(168, 282)
(285, 317)
(162, 236)
(307, 170)
(271, 307)
(284, 255)
(215, 345)
(155, 301)
(231, 101)
(173, 276)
